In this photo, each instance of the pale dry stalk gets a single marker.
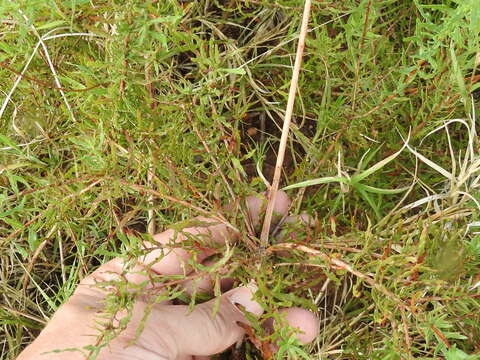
(272, 194)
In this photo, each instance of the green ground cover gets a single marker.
(106, 107)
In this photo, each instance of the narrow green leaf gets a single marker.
(366, 158)
(459, 77)
(363, 193)
(324, 180)
(51, 24)
(430, 163)
(379, 165)
(236, 163)
(376, 190)
(5, 140)
(237, 71)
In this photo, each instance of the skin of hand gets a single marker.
(171, 332)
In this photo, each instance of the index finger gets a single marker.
(167, 258)
(164, 256)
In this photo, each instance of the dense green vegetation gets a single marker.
(104, 101)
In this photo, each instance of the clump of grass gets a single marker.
(108, 110)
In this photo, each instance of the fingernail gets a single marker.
(242, 299)
(242, 325)
(239, 306)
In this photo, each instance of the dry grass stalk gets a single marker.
(272, 194)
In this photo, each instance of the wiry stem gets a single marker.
(272, 194)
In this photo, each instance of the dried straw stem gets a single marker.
(272, 194)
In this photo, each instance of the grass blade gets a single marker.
(430, 163)
(379, 165)
(324, 180)
(376, 190)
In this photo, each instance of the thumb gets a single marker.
(212, 327)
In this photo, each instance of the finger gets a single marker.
(201, 285)
(227, 284)
(205, 284)
(176, 332)
(257, 204)
(174, 261)
(166, 259)
(171, 260)
(207, 332)
(305, 323)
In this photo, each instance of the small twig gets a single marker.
(62, 258)
(219, 169)
(340, 264)
(151, 221)
(212, 157)
(36, 254)
(273, 5)
(149, 85)
(408, 340)
(85, 189)
(44, 187)
(441, 336)
(143, 189)
(349, 249)
(365, 25)
(272, 194)
(22, 228)
(26, 315)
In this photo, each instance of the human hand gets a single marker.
(169, 331)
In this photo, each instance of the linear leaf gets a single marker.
(384, 191)
(430, 163)
(324, 180)
(379, 165)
